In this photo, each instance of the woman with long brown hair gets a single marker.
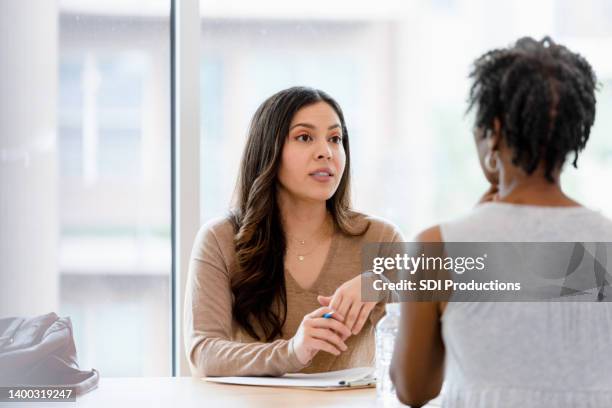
(255, 297)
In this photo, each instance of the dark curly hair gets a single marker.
(543, 94)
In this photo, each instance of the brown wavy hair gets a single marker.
(258, 285)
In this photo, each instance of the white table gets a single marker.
(191, 392)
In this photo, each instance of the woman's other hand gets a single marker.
(346, 300)
(317, 333)
(489, 195)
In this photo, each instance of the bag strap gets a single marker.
(88, 384)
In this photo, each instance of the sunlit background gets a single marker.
(85, 133)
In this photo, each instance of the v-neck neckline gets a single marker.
(330, 254)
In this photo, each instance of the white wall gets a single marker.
(28, 159)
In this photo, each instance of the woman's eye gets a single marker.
(336, 139)
(304, 138)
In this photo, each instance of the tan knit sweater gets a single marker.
(217, 346)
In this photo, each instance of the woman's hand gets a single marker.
(490, 194)
(346, 300)
(317, 333)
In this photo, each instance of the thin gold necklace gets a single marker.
(301, 256)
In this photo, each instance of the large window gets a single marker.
(114, 201)
(399, 71)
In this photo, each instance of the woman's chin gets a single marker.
(319, 196)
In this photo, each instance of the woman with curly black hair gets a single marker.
(535, 105)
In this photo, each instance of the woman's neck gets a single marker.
(303, 219)
(534, 189)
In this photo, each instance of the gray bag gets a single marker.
(40, 351)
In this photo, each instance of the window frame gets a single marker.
(185, 159)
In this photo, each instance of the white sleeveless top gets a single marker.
(544, 354)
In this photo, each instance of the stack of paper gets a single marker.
(332, 380)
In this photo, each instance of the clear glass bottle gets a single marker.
(386, 330)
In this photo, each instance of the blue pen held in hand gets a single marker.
(328, 315)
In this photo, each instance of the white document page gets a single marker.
(352, 377)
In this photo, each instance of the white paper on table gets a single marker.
(341, 379)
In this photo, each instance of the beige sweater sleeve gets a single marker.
(208, 321)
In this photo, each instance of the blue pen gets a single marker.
(328, 315)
